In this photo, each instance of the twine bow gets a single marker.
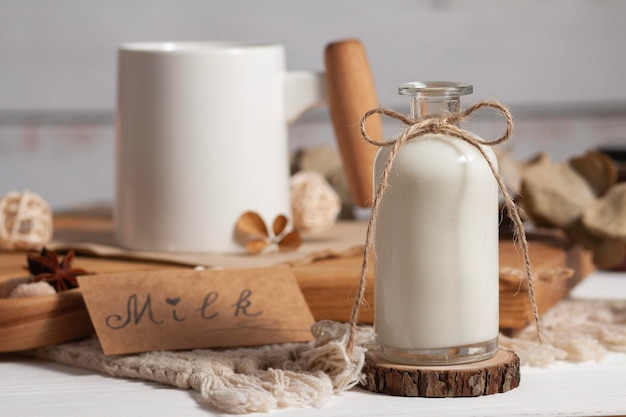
(445, 124)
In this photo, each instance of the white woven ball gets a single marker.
(314, 203)
(25, 221)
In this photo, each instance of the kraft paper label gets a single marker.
(183, 309)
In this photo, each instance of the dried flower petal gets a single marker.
(251, 223)
(251, 231)
(291, 241)
(280, 222)
(256, 246)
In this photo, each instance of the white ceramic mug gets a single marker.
(202, 138)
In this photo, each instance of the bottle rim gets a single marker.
(435, 89)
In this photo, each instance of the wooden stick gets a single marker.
(351, 92)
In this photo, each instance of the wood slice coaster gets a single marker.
(495, 375)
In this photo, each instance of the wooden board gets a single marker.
(27, 323)
(329, 287)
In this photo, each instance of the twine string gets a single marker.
(443, 124)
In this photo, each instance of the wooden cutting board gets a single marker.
(329, 287)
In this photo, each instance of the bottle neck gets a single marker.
(432, 106)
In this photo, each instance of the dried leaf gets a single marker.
(598, 170)
(256, 246)
(606, 217)
(280, 222)
(609, 254)
(555, 195)
(251, 223)
(579, 233)
(291, 241)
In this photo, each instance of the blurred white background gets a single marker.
(559, 64)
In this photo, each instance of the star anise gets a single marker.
(46, 267)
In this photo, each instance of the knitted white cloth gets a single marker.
(575, 331)
(306, 374)
(238, 380)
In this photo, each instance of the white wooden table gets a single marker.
(35, 388)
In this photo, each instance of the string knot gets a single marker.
(432, 124)
(448, 125)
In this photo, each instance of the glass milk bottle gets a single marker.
(436, 243)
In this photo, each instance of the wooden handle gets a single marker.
(351, 93)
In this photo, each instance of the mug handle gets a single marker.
(304, 90)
